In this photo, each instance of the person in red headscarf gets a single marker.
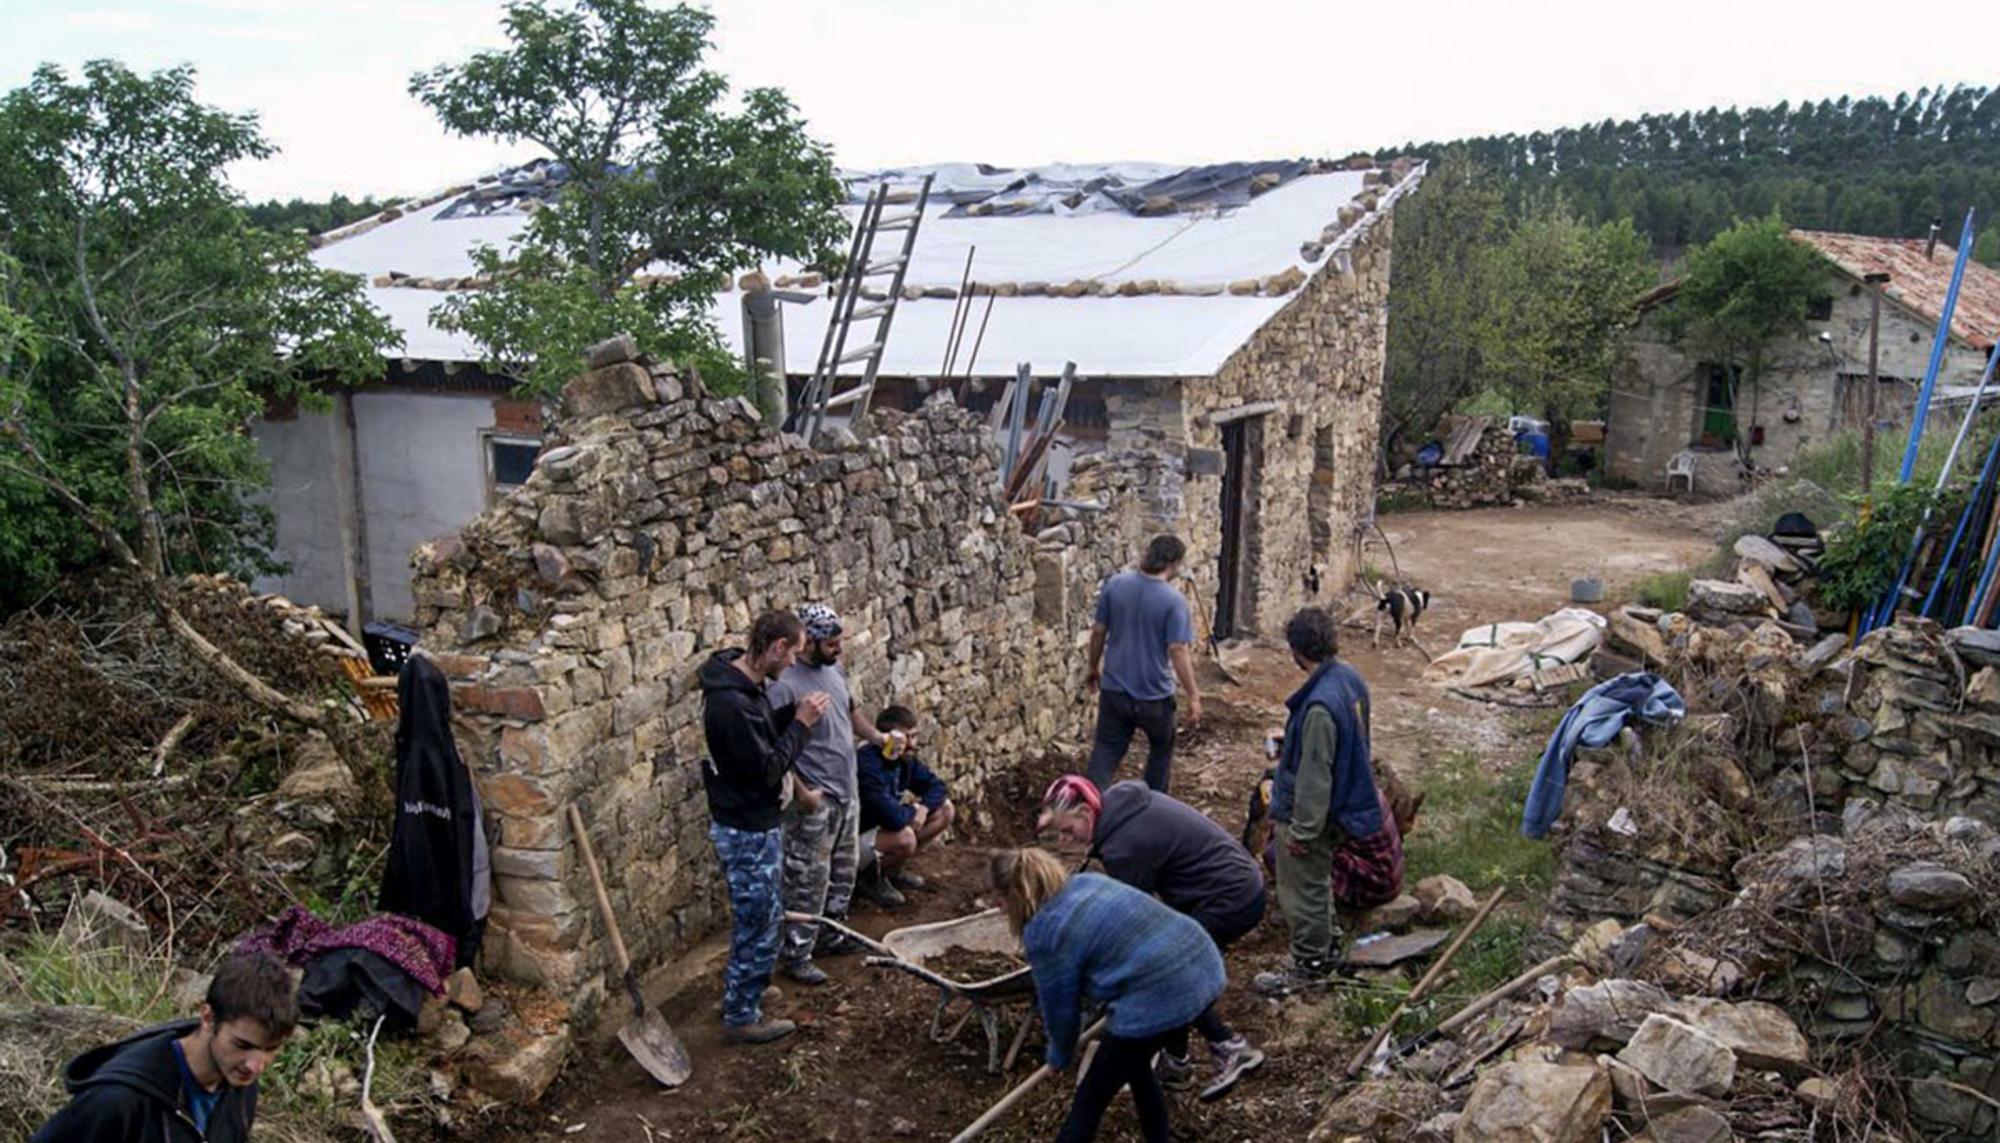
(1156, 844)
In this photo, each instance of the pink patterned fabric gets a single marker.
(418, 949)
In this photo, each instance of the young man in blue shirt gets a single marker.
(188, 1080)
(1139, 645)
(891, 828)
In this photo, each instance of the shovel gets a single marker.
(647, 1035)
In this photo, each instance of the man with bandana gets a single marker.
(822, 825)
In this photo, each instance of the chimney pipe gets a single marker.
(1930, 243)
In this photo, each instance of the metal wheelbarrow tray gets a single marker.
(913, 948)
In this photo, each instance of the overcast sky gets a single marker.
(1028, 81)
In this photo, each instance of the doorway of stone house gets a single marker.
(1236, 560)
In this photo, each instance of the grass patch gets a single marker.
(1401, 500)
(1470, 829)
(1667, 591)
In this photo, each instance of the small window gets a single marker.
(1820, 308)
(509, 460)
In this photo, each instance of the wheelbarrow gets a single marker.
(913, 948)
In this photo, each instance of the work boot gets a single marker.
(880, 889)
(805, 972)
(1175, 1073)
(1298, 976)
(765, 1030)
(904, 879)
(833, 942)
(1234, 1058)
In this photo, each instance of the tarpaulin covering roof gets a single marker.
(1086, 224)
(1919, 282)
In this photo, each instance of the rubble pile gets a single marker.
(1880, 940)
(1816, 842)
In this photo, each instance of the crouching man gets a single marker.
(186, 1081)
(1159, 845)
(899, 828)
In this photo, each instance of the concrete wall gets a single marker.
(422, 474)
(304, 501)
(1656, 407)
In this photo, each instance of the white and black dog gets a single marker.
(1403, 606)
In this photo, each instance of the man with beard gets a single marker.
(751, 749)
(822, 826)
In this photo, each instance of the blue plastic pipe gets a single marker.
(1951, 549)
(1938, 342)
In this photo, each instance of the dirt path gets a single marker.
(863, 1066)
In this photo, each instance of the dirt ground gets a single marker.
(863, 1065)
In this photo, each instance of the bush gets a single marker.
(1667, 591)
(1861, 561)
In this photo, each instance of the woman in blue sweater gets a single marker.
(1092, 939)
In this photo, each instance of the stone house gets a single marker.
(1814, 386)
(1227, 322)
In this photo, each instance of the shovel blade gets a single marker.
(652, 1042)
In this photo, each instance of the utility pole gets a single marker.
(1875, 282)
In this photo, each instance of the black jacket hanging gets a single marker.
(429, 875)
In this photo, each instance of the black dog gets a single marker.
(1403, 606)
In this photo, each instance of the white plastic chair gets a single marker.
(1681, 465)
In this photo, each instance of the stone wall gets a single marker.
(572, 618)
(1308, 387)
(1321, 360)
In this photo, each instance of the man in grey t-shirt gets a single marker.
(822, 825)
(1138, 646)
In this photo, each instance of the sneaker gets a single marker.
(904, 879)
(1233, 1059)
(1295, 977)
(806, 973)
(881, 890)
(1175, 1073)
(833, 942)
(762, 1032)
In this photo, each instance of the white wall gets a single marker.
(304, 500)
(422, 475)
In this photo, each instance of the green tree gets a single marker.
(1561, 293)
(162, 321)
(1438, 281)
(314, 216)
(1743, 295)
(660, 173)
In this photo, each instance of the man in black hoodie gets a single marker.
(751, 749)
(188, 1081)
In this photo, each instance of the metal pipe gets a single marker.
(1875, 282)
(961, 308)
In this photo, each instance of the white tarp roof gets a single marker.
(1144, 336)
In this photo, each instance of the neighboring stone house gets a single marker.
(1814, 386)
(1226, 323)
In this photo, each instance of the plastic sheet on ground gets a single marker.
(1499, 653)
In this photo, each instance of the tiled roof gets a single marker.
(1918, 282)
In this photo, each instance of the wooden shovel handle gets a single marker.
(597, 886)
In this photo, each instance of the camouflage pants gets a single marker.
(750, 864)
(820, 856)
